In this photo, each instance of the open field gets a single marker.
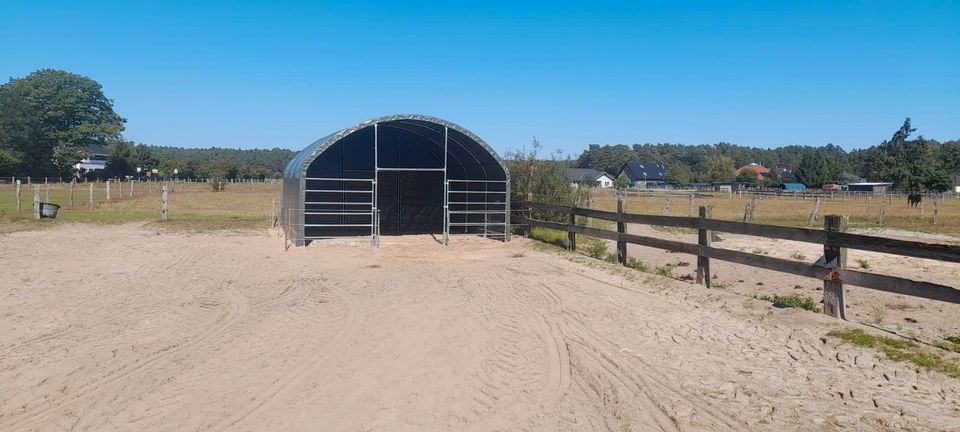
(194, 205)
(786, 210)
(136, 327)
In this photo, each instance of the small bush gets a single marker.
(797, 301)
(798, 256)
(665, 271)
(760, 251)
(878, 315)
(637, 264)
(596, 249)
(611, 258)
(864, 264)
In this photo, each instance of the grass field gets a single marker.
(789, 211)
(191, 205)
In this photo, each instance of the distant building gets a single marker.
(874, 187)
(783, 173)
(793, 187)
(763, 172)
(644, 174)
(956, 184)
(831, 187)
(95, 160)
(588, 177)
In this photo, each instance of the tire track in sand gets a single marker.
(238, 307)
(351, 327)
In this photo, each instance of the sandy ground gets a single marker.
(128, 327)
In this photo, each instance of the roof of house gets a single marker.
(97, 150)
(577, 175)
(755, 167)
(646, 171)
(870, 184)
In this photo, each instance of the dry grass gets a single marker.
(790, 211)
(192, 206)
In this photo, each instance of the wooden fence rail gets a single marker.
(831, 270)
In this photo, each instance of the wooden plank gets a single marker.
(548, 207)
(900, 285)
(668, 221)
(942, 252)
(772, 231)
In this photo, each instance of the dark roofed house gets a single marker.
(643, 174)
(588, 177)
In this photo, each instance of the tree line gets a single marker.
(49, 118)
(918, 164)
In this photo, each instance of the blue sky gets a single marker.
(282, 74)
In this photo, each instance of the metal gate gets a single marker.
(476, 207)
(339, 207)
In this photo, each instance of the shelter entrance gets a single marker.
(397, 175)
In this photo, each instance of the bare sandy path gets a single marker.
(133, 328)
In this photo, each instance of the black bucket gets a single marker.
(49, 210)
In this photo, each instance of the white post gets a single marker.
(18, 195)
(164, 202)
(91, 193)
(36, 202)
(108, 189)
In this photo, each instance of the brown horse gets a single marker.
(914, 199)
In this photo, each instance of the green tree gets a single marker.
(623, 182)
(719, 170)
(609, 159)
(118, 163)
(48, 118)
(747, 176)
(539, 178)
(679, 174)
(816, 169)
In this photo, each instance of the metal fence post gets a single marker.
(704, 238)
(834, 257)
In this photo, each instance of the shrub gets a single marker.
(637, 264)
(797, 301)
(596, 249)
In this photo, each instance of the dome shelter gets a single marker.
(399, 174)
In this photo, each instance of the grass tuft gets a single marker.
(900, 350)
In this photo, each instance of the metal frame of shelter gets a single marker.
(470, 206)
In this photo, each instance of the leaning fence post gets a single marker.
(621, 229)
(704, 238)
(813, 214)
(18, 195)
(36, 202)
(834, 258)
(163, 204)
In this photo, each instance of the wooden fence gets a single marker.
(831, 269)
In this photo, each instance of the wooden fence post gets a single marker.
(108, 189)
(813, 214)
(163, 204)
(704, 238)
(936, 209)
(690, 206)
(131, 188)
(36, 202)
(18, 195)
(572, 236)
(666, 204)
(46, 193)
(120, 188)
(921, 208)
(72, 184)
(91, 193)
(880, 217)
(621, 229)
(834, 303)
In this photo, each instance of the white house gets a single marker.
(588, 177)
(96, 159)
